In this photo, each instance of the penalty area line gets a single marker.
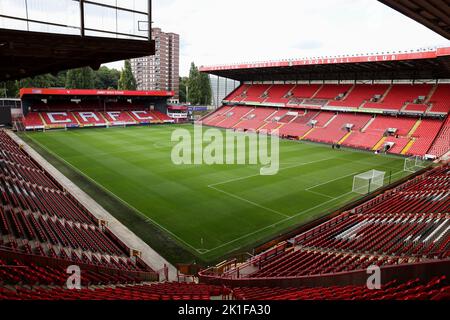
(280, 222)
(287, 219)
(248, 201)
(259, 175)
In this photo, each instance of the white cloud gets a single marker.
(218, 31)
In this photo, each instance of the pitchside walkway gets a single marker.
(150, 256)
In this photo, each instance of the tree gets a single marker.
(106, 78)
(60, 79)
(127, 80)
(205, 85)
(199, 87)
(9, 89)
(194, 88)
(42, 81)
(83, 78)
(183, 89)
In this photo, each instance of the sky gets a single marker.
(232, 31)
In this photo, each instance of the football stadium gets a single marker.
(93, 205)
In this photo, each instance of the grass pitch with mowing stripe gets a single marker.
(209, 211)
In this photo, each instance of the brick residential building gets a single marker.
(161, 71)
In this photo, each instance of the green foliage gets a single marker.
(106, 78)
(183, 87)
(9, 89)
(199, 87)
(42, 81)
(83, 78)
(127, 80)
(205, 85)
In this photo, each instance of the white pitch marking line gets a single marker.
(322, 184)
(259, 175)
(279, 222)
(319, 194)
(146, 218)
(287, 219)
(248, 201)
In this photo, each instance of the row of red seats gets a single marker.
(52, 203)
(149, 292)
(25, 173)
(393, 97)
(435, 289)
(383, 123)
(307, 262)
(10, 156)
(331, 128)
(218, 116)
(441, 144)
(65, 234)
(91, 118)
(336, 130)
(406, 235)
(362, 140)
(399, 95)
(32, 120)
(233, 117)
(424, 137)
(38, 218)
(297, 123)
(255, 119)
(17, 273)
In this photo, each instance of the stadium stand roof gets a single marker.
(83, 93)
(420, 64)
(32, 43)
(25, 54)
(434, 14)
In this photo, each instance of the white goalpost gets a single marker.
(367, 182)
(414, 164)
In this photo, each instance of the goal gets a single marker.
(415, 164)
(369, 181)
(54, 129)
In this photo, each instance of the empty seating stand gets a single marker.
(412, 136)
(440, 100)
(434, 289)
(441, 144)
(332, 91)
(39, 221)
(395, 97)
(33, 121)
(399, 95)
(336, 130)
(304, 91)
(424, 137)
(360, 94)
(133, 292)
(255, 93)
(279, 94)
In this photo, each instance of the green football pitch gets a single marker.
(206, 211)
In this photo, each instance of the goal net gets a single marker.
(415, 164)
(367, 182)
